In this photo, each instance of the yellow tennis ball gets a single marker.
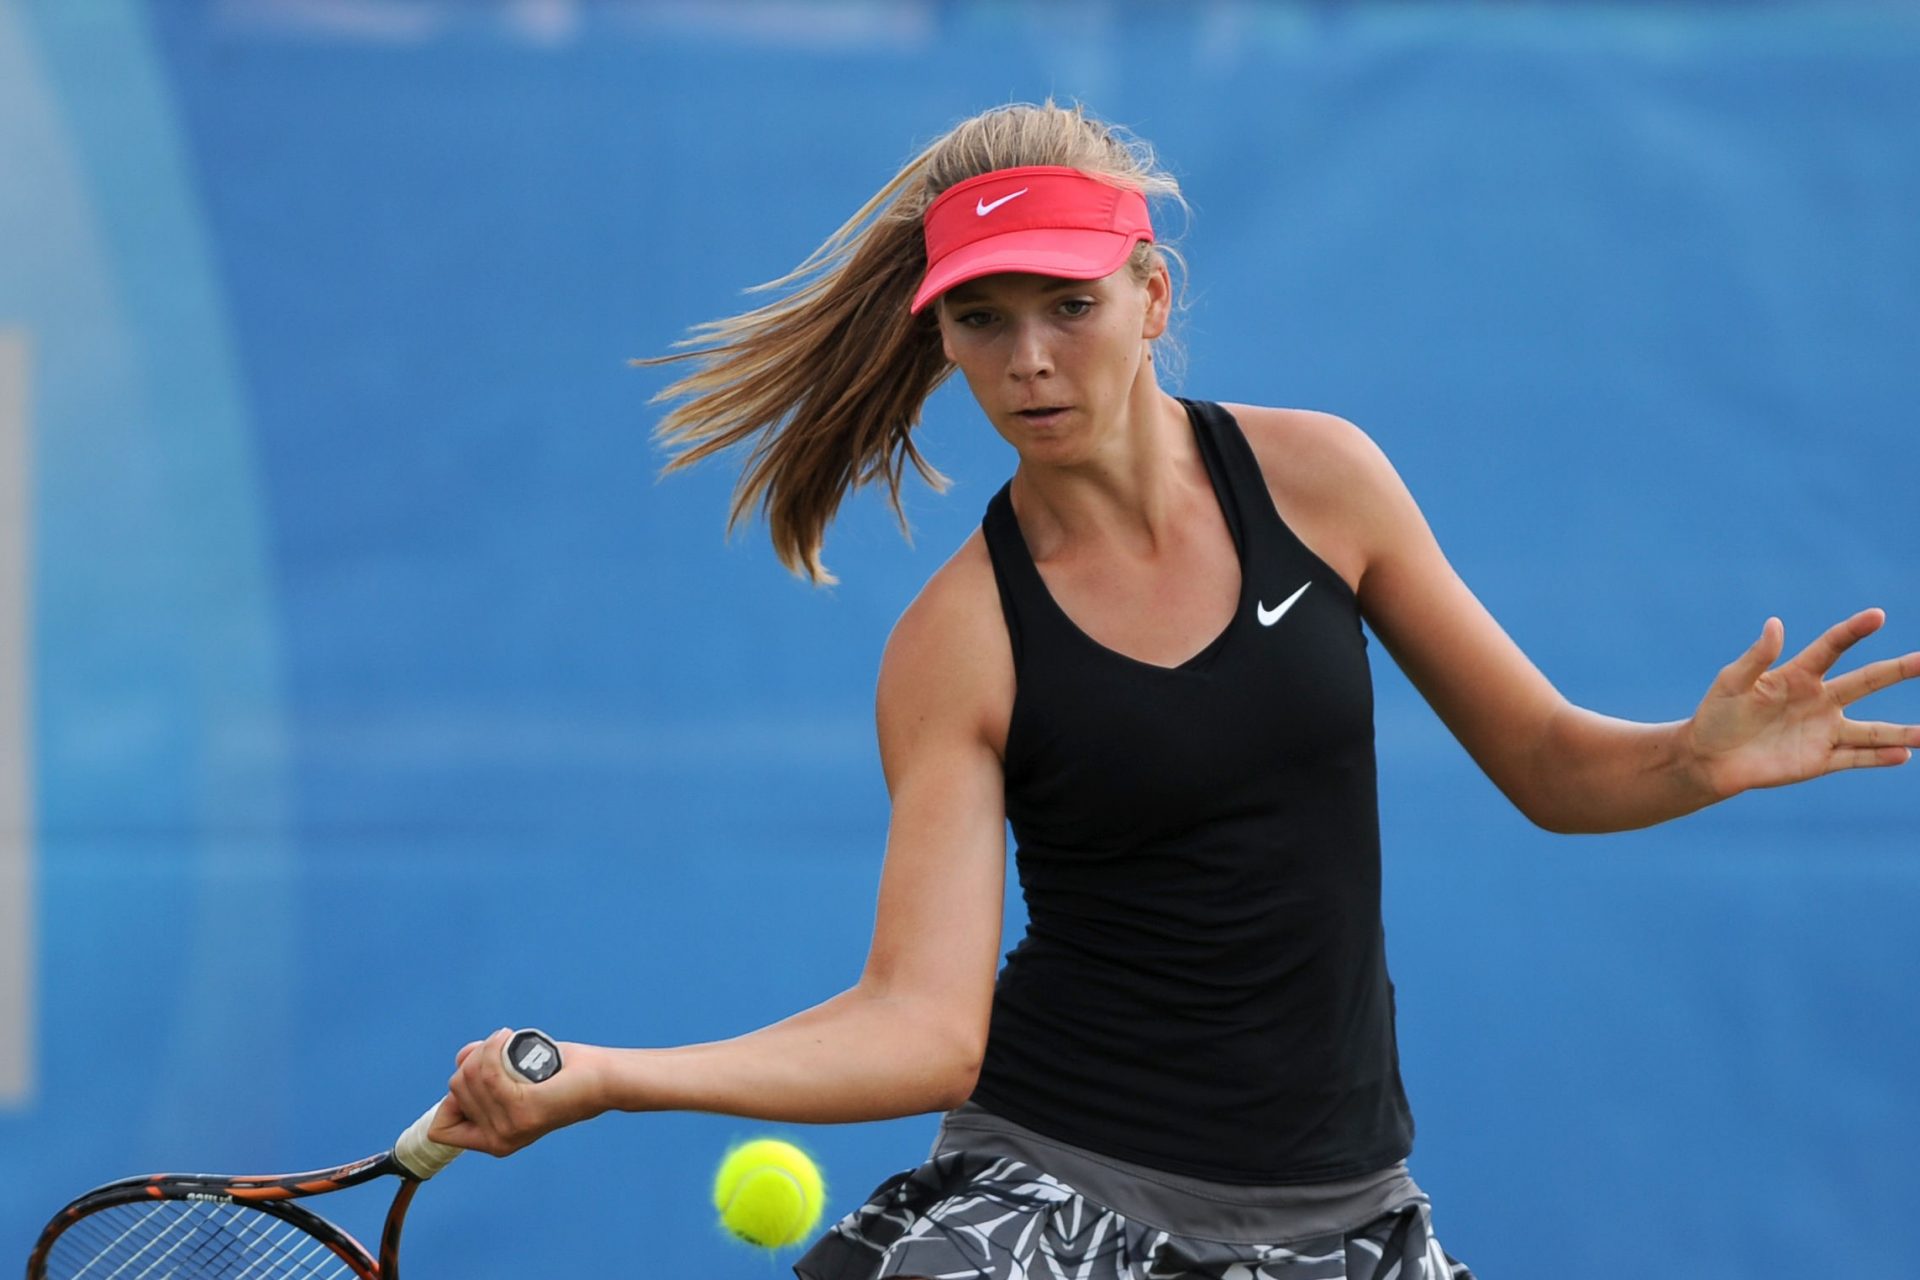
(769, 1193)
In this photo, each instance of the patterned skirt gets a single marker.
(967, 1215)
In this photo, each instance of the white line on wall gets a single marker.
(16, 727)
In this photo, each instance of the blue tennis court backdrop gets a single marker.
(370, 693)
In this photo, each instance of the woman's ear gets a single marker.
(938, 311)
(1159, 302)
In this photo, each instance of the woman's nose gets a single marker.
(1031, 357)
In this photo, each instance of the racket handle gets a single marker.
(529, 1054)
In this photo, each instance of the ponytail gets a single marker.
(827, 383)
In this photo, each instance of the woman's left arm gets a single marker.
(1573, 770)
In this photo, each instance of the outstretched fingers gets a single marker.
(1867, 757)
(1876, 733)
(1873, 677)
(1818, 658)
(1738, 676)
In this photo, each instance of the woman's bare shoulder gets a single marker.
(1308, 450)
(961, 595)
(950, 647)
(1326, 477)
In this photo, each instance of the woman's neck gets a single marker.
(1138, 480)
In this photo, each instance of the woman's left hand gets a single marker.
(1765, 726)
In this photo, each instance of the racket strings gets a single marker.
(190, 1240)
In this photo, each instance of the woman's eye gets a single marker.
(975, 319)
(1076, 306)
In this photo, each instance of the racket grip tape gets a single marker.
(529, 1054)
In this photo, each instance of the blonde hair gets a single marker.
(827, 383)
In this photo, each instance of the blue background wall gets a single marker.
(383, 697)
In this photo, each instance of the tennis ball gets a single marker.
(769, 1193)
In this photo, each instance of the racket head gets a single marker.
(208, 1228)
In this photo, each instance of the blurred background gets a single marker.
(362, 689)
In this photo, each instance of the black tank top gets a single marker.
(1203, 984)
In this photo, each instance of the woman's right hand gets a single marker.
(493, 1109)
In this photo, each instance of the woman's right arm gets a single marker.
(908, 1037)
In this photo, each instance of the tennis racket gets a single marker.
(197, 1226)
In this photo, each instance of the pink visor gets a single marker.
(1045, 219)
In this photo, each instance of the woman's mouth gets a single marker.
(1043, 417)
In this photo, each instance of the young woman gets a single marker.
(1150, 659)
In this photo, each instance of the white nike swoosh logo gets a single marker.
(982, 208)
(1270, 616)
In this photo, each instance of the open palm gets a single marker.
(1765, 726)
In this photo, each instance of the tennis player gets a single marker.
(1150, 659)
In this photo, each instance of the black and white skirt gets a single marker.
(983, 1208)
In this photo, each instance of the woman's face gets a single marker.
(1054, 362)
